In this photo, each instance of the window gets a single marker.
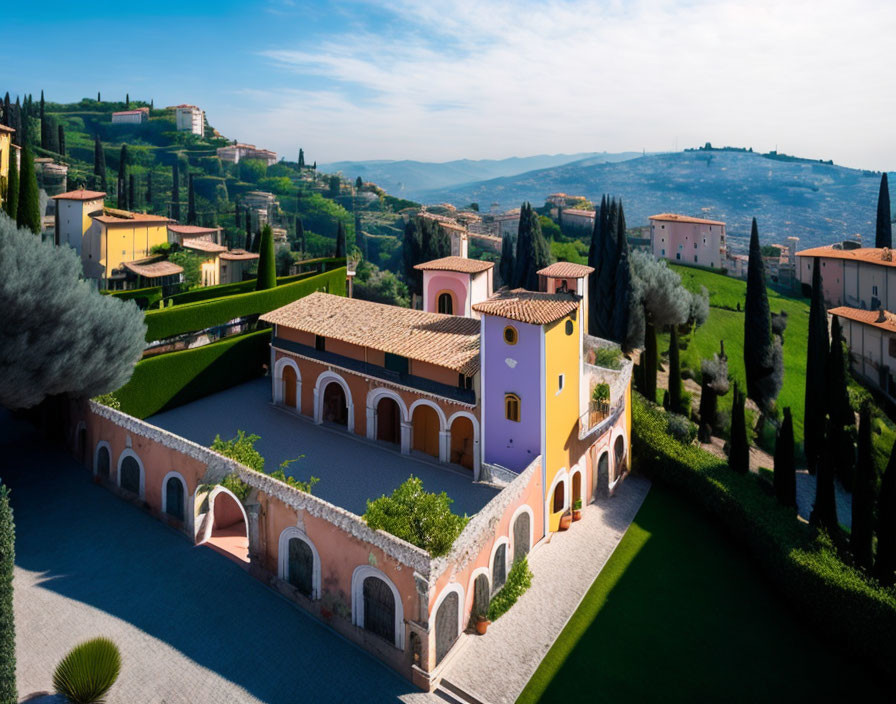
(512, 407)
(464, 381)
(396, 363)
(560, 380)
(446, 303)
(695, 258)
(510, 335)
(320, 343)
(663, 252)
(678, 255)
(570, 328)
(874, 290)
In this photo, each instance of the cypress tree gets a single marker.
(300, 234)
(301, 159)
(816, 370)
(674, 372)
(824, 512)
(127, 101)
(785, 464)
(191, 202)
(175, 193)
(649, 360)
(884, 230)
(8, 691)
(61, 141)
(28, 213)
(885, 564)
(594, 261)
(44, 128)
(12, 189)
(132, 192)
(606, 272)
(236, 215)
(622, 295)
(123, 178)
(340, 240)
(267, 269)
(505, 267)
(6, 106)
(99, 163)
(739, 449)
(359, 184)
(758, 344)
(248, 231)
(411, 255)
(149, 190)
(98, 97)
(19, 136)
(861, 535)
(532, 252)
(839, 407)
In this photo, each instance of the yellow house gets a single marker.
(73, 211)
(5, 149)
(118, 237)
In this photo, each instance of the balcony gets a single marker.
(607, 369)
(417, 383)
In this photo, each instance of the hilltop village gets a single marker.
(429, 427)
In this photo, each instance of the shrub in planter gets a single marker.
(518, 581)
(87, 673)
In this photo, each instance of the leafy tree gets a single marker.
(267, 268)
(8, 692)
(785, 464)
(191, 202)
(411, 255)
(674, 371)
(861, 534)
(123, 178)
(175, 192)
(240, 448)
(714, 383)
(532, 251)
(283, 261)
(380, 286)
(99, 163)
(191, 263)
(28, 209)
(334, 186)
(739, 448)
(252, 170)
(61, 141)
(422, 518)
(885, 564)
(11, 206)
(824, 512)
(340, 240)
(884, 229)
(52, 320)
(816, 371)
(763, 363)
(506, 265)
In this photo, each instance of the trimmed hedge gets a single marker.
(837, 599)
(144, 297)
(171, 380)
(168, 322)
(207, 293)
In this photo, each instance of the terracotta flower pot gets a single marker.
(565, 521)
(577, 514)
(482, 625)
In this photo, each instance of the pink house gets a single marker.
(688, 240)
(864, 277)
(453, 285)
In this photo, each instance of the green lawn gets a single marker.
(679, 614)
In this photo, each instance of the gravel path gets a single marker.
(497, 666)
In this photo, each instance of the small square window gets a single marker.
(560, 380)
(320, 343)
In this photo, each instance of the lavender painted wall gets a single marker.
(508, 443)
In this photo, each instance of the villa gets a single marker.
(136, 117)
(189, 118)
(686, 240)
(5, 152)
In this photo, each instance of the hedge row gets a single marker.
(854, 611)
(168, 322)
(171, 380)
(145, 297)
(206, 293)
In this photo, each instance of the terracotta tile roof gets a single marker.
(193, 229)
(204, 246)
(4, 128)
(575, 212)
(462, 264)
(566, 270)
(80, 194)
(239, 255)
(529, 306)
(112, 216)
(138, 111)
(674, 217)
(878, 318)
(872, 255)
(153, 270)
(444, 340)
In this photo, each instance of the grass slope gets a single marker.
(678, 614)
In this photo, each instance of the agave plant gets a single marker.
(86, 674)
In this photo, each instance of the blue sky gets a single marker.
(429, 80)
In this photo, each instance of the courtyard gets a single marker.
(351, 468)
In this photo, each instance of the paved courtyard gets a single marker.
(192, 626)
(351, 468)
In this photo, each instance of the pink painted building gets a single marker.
(686, 240)
(864, 277)
(453, 285)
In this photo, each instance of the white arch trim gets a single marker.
(577, 469)
(491, 560)
(471, 587)
(620, 433)
(376, 395)
(443, 422)
(288, 534)
(187, 508)
(279, 389)
(524, 508)
(96, 456)
(210, 521)
(130, 453)
(563, 476)
(477, 446)
(459, 590)
(323, 380)
(361, 573)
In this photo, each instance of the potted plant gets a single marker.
(577, 510)
(565, 520)
(482, 623)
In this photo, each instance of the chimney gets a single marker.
(881, 315)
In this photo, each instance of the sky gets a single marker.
(480, 79)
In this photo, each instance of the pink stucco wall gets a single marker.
(832, 277)
(435, 282)
(676, 242)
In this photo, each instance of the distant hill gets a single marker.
(817, 202)
(411, 179)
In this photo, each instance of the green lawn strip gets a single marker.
(680, 614)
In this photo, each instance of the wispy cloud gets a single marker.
(492, 79)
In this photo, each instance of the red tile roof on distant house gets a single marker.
(239, 255)
(566, 270)
(575, 212)
(530, 307)
(878, 318)
(112, 216)
(461, 264)
(674, 217)
(153, 270)
(193, 229)
(80, 194)
(204, 246)
(871, 255)
(138, 111)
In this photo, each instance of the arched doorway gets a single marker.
(335, 408)
(499, 567)
(103, 462)
(300, 566)
(174, 498)
(379, 608)
(228, 532)
(425, 422)
(130, 475)
(462, 447)
(446, 625)
(559, 499)
(603, 475)
(576, 487)
(521, 531)
(446, 303)
(289, 386)
(388, 420)
(619, 458)
(481, 596)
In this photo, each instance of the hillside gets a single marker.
(412, 179)
(817, 202)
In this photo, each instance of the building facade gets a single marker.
(116, 237)
(6, 134)
(73, 216)
(871, 337)
(863, 277)
(189, 118)
(453, 285)
(686, 240)
(131, 117)
(236, 152)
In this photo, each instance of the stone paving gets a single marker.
(193, 627)
(496, 667)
